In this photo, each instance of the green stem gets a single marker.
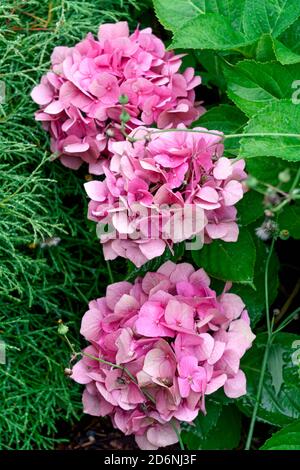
(266, 353)
(295, 182)
(116, 366)
(218, 134)
(287, 321)
(109, 271)
(258, 396)
(267, 288)
(178, 434)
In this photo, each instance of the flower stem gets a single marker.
(109, 271)
(267, 288)
(217, 134)
(258, 395)
(266, 353)
(178, 434)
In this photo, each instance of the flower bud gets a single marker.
(124, 116)
(284, 176)
(62, 329)
(123, 99)
(284, 234)
(110, 132)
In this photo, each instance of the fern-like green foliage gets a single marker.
(42, 280)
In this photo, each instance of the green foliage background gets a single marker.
(38, 199)
(249, 49)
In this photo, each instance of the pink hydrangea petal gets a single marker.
(215, 383)
(113, 30)
(222, 169)
(162, 436)
(96, 190)
(42, 94)
(236, 387)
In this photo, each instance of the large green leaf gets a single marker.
(210, 31)
(287, 438)
(287, 46)
(289, 219)
(269, 16)
(277, 118)
(250, 208)
(225, 118)
(254, 297)
(229, 261)
(175, 14)
(203, 424)
(275, 366)
(267, 170)
(278, 409)
(208, 432)
(225, 24)
(213, 64)
(285, 55)
(252, 85)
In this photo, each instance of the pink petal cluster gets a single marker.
(175, 341)
(79, 96)
(164, 188)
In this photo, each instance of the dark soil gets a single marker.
(92, 433)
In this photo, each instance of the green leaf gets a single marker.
(210, 31)
(287, 438)
(285, 55)
(275, 366)
(280, 409)
(216, 438)
(213, 63)
(268, 169)
(203, 424)
(269, 16)
(229, 261)
(289, 219)
(287, 45)
(254, 297)
(264, 49)
(250, 208)
(253, 85)
(280, 117)
(225, 118)
(175, 14)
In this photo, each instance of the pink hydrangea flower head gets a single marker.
(164, 187)
(155, 354)
(79, 96)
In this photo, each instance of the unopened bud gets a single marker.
(284, 176)
(284, 234)
(251, 182)
(123, 99)
(68, 371)
(124, 116)
(268, 213)
(110, 132)
(62, 329)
